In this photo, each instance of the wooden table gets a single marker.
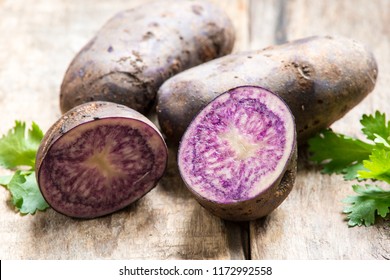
(37, 41)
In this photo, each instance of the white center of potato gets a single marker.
(243, 146)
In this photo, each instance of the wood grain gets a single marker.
(38, 41)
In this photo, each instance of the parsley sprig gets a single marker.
(360, 160)
(18, 150)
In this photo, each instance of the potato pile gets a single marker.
(236, 119)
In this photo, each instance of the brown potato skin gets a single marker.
(320, 79)
(261, 205)
(138, 49)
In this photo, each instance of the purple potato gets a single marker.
(320, 79)
(98, 158)
(238, 156)
(138, 49)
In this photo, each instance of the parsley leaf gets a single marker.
(338, 153)
(381, 142)
(18, 148)
(352, 172)
(371, 200)
(375, 125)
(4, 180)
(25, 193)
(378, 167)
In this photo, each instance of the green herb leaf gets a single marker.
(381, 142)
(371, 200)
(18, 148)
(352, 172)
(356, 159)
(338, 153)
(378, 167)
(4, 180)
(25, 193)
(374, 125)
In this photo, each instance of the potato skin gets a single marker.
(138, 49)
(320, 78)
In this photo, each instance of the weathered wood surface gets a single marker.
(39, 39)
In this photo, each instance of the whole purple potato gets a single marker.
(138, 49)
(320, 79)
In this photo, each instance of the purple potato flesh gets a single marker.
(238, 156)
(99, 158)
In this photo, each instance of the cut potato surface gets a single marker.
(102, 165)
(238, 147)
